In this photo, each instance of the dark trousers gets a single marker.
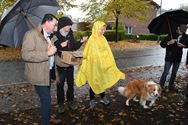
(65, 74)
(186, 91)
(92, 94)
(45, 101)
(167, 67)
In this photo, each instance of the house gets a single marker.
(134, 26)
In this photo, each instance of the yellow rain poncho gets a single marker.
(98, 66)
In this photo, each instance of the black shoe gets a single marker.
(62, 108)
(72, 105)
(186, 101)
(165, 91)
(173, 89)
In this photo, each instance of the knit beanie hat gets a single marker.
(64, 21)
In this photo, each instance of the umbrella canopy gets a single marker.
(18, 18)
(168, 22)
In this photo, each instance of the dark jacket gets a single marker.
(187, 58)
(173, 51)
(72, 43)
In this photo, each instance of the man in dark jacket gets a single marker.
(174, 50)
(66, 72)
(186, 89)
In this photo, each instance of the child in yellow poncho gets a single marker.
(98, 66)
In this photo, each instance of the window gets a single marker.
(128, 29)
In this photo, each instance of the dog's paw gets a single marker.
(127, 103)
(151, 103)
(135, 99)
(145, 107)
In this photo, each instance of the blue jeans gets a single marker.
(45, 102)
(166, 71)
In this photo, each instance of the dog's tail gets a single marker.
(121, 90)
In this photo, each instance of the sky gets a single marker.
(166, 4)
(171, 4)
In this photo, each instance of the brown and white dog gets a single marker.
(145, 90)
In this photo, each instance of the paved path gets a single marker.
(12, 72)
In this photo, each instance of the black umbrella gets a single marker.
(22, 16)
(168, 22)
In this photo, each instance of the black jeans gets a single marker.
(186, 91)
(167, 67)
(65, 74)
(92, 94)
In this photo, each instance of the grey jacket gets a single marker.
(35, 54)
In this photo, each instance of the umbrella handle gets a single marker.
(36, 28)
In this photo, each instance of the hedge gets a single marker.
(151, 37)
(111, 35)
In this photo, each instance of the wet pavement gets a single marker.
(12, 72)
(17, 94)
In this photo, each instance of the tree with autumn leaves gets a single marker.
(105, 9)
(101, 9)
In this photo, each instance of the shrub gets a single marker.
(111, 35)
(151, 37)
(80, 34)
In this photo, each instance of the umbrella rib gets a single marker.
(24, 13)
(34, 15)
(28, 6)
(36, 6)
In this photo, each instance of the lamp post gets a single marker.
(117, 16)
(160, 7)
(160, 11)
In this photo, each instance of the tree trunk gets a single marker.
(116, 29)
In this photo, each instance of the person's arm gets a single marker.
(184, 40)
(29, 52)
(163, 43)
(187, 60)
(72, 42)
(167, 42)
(58, 45)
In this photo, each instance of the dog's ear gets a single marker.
(148, 87)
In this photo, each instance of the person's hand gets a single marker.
(172, 41)
(180, 44)
(186, 66)
(51, 50)
(64, 44)
(84, 39)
